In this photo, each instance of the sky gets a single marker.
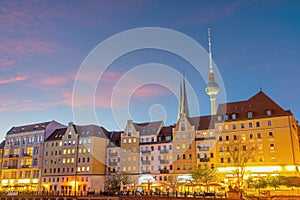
(47, 46)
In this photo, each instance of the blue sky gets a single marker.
(43, 44)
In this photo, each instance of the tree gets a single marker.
(258, 183)
(292, 181)
(276, 181)
(173, 180)
(239, 154)
(114, 180)
(205, 175)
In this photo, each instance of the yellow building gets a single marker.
(262, 129)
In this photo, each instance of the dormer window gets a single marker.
(226, 117)
(219, 118)
(182, 126)
(233, 116)
(269, 112)
(250, 114)
(129, 132)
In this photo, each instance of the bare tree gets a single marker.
(240, 153)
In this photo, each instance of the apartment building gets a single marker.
(75, 160)
(23, 153)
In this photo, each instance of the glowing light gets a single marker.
(4, 181)
(290, 168)
(35, 180)
(11, 181)
(24, 181)
(252, 169)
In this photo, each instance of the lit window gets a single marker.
(177, 146)
(124, 141)
(134, 140)
(272, 146)
(129, 140)
(87, 169)
(65, 151)
(183, 146)
(83, 169)
(78, 169)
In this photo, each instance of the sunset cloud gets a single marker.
(18, 78)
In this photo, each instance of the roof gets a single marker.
(28, 128)
(114, 138)
(57, 134)
(257, 104)
(2, 144)
(203, 122)
(165, 132)
(148, 128)
(91, 130)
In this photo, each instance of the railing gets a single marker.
(145, 162)
(203, 148)
(164, 161)
(26, 154)
(204, 159)
(13, 156)
(12, 167)
(113, 163)
(145, 172)
(25, 166)
(164, 151)
(145, 151)
(113, 154)
(164, 171)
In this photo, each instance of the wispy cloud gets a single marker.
(18, 78)
(213, 12)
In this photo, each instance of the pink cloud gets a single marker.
(26, 47)
(57, 80)
(18, 78)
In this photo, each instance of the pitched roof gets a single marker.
(203, 122)
(57, 134)
(91, 130)
(148, 128)
(257, 104)
(114, 138)
(28, 128)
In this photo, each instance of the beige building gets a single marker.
(81, 166)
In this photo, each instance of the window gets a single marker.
(228, 160)
(222, 160)
(221, 149)
(250, 114)
(272, 146)
(220, 138)
(183, 136)
(244, 148)
(182, 126)
(183, 156)
(251, 136)
(235, 137)
(190, 156)
(124, 141)
(233, 126)
(259, 135)
(177, 136)
(233, 116)
(219, 118)
(242, 125)
(226, 117)
(250, 124)
(271, 135)
(227, 137)
(228, 149)
(269, 123)
(257, 124)
(189, 135)
(269, 112)
(211, 155)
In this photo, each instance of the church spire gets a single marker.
(183, 104)
(212, 88)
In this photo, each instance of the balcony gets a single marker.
(146, 151)
(113, 163)
(113, 154)
(204, 159)
(164, 171)
(26, 155)
(12, 167)
(205, 137)
(145, 172)
(164, 151)
(146, 162)
(203, 148)
(13, 155)
(25, 166)
(164, 161)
